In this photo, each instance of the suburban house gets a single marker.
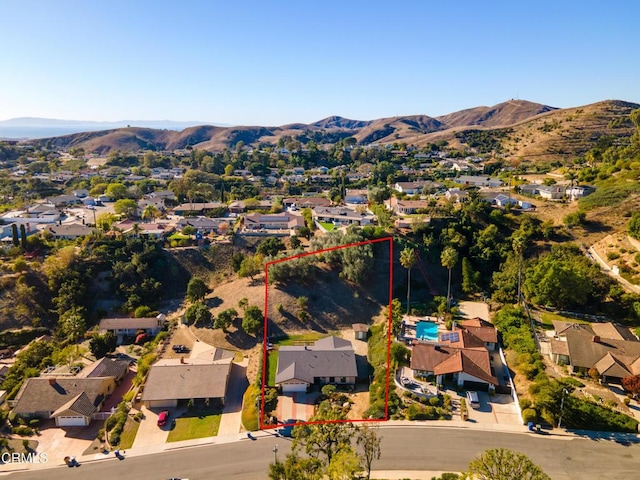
(530, 189)
(503, 200)
(462, 355)
(342, 216)
(478, 181)
(203, 225)
(156, 229)
(405, 207)
(411, 188)
(329, 360)
(356, 198)
(197, 208)
(579, 191)
(298, 203)
(606, 347)
(285, 223)
(68, 231)
(71, 401)
(239, 206)
(129, 327)
(106, 367)
(172, 380)
(456, 195)
(551, 192)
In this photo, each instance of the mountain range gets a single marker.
(515, 128)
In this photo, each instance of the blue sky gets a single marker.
(276, 62)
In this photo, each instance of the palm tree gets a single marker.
(150, 211)
(408, 259)
(136, 229)
(449, 258)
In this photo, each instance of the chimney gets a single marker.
(595, 339)
(52, 381)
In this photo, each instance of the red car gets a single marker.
(163, 417)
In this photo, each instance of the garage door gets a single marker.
(71, 421)
(162, 403)
(294, 387)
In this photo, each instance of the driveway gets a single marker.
(230, 421)
(58, 443)
(149, 433)
(296, 405)
(498, 409)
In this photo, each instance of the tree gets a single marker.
(269, 247)
(23, 236)
(297, 468)
(126, 207)
(226, 318)
(396, 317)
(633, 229)
(252, 320)
(150, 212)
(449, 258)
(295, 242)
(470, 279)
(250, 267)
(73, 324)
(632, 384)
(196, 289)
(408, 258)
(369, 443)
(344, 465)
(102, 344)
(400, 355)
(325, 439)
(198, 313)
(14, 234)
(116, 191)
(503, 464)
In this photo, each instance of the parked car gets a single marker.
(180, 349)
(288, 430)
(473, 399)
(163, 418)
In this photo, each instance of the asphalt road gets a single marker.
(408, 448)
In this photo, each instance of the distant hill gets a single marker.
(514, 128)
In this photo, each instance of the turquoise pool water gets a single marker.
(427, 331)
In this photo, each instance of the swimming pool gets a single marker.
(427, 331)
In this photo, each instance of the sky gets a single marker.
(273, 62)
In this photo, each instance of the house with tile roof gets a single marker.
(462, 355)
(330, 360)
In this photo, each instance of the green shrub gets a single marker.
(22, 430)
(529, 415)
(434, 401)
(571, 381)
(524, 403)
(612, 255)
(114, 438)
(421, 412)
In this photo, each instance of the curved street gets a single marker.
(408, 451)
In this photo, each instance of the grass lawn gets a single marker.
(128, 434)
(195, 424)
(548, 317)
(327, 226)
(250, 409)
(272, 365)
(303, 337)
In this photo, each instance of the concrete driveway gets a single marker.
(296, 405)
(498, 409)
(149, 433)
(58, 443)
(230, 422)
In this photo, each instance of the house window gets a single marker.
(332, 379)
(343, 379)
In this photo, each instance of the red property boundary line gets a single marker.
(264, 426)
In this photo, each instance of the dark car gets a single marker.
(287, 431)
(180, 349)
(163, 418)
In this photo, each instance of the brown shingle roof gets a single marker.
(443, 359)
(80, 404)
(105, 367)
(584, 352)
(186, 381)
(47, 394)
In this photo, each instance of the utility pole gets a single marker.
(564, 392)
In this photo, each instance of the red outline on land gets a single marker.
(264, 426)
